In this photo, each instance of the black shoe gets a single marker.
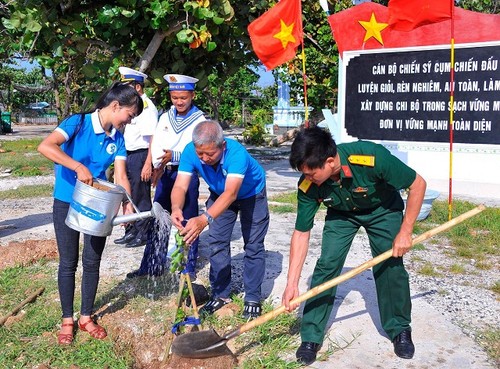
(403, 345)
(251, 310)
(136, 242)
(306, 354)
(212, 306)
(125, 239)
(135, 274)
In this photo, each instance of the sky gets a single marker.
(266, 78)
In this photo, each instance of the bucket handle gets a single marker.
(129, 198)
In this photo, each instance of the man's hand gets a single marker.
(165, 158)
(177, 218)
(402, 244)
(290, 293)
(146, 172)
(193, 229)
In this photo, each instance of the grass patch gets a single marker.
(457, 269)
(31, 338)
(23, 159)
(286, 197)
(282, 209)
(483, 265)
(475, 238)
(418, 247)
(283, 203)
(496, 287)
(490, 341)
(26, 192)
(428, 270)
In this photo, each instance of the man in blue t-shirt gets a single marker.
(237, 184)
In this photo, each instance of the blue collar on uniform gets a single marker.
(191, 111)
(180, 122)
(96, 125)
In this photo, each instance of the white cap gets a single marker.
(180, 82)
(129, 74)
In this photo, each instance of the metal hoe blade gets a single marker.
(199, 345)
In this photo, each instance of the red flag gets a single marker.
(405, 15)
(277, 33)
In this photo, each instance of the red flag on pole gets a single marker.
(277, 33)
(405, 15)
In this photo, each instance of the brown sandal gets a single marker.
(65, 338)
(98, 332)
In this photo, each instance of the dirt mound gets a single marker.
(26, 252)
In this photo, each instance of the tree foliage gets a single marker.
(84, 42)
(227, 100)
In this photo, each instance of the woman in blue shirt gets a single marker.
(82, 147)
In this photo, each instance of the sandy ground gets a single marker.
(440, 341)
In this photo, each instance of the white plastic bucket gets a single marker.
(93, 208)
(429, 197)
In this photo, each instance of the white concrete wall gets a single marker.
(475, 168)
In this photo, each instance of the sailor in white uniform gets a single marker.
(138, 136)
(173, 133)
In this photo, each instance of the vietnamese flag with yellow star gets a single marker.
(405, 15)
(366, 27)
(277, 33)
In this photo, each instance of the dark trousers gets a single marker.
(140, 190)
(154, 260)
(68, 246)
(391, 278)
(254, 218)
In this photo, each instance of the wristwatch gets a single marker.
(209, 217)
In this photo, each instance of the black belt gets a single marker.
(172, 167)
(135, 151)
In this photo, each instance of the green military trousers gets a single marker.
(391, 278)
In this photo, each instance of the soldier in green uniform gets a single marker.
(359, 183)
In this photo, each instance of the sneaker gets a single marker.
(213, 305)
(306, 354)
(251, 310)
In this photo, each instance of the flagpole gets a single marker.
(306, 118)
(452, 92)
(304, 76)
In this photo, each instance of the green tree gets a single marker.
(19, 88)
(84, 42)
(225, 99)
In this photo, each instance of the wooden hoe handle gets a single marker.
(351, 273)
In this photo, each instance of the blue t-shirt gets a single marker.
(87, 143)
(235, 162)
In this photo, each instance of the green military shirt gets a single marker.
(370, 177)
